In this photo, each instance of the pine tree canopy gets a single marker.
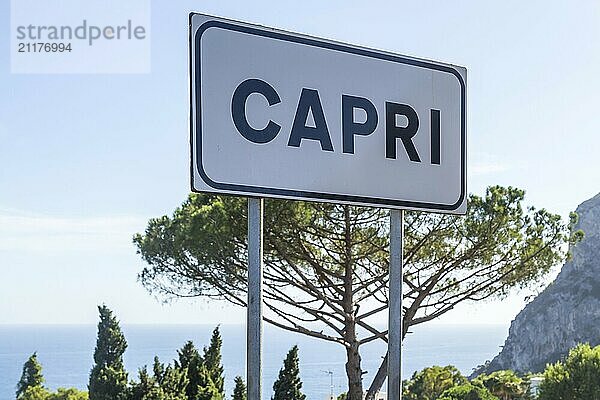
(31, 377)
(288, 384)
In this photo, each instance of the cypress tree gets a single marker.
(288, 384)
(143, 389)
(212, 361)
(158, 369)
(207, 390)
(166, 383)
(187, 354)
(190, 362)
(31, 376)
(172, 381)
(239, 392)
(108, 379)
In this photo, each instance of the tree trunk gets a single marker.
(378, 380)
(381, 374)
(353, 369)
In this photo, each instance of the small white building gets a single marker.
(534, 387)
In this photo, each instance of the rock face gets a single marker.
(566, 313)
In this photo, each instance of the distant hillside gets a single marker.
(566, 313)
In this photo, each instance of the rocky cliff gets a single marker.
(566, 313)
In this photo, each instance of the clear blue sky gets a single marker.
(86, 160)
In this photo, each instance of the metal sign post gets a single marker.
(395, 305)
(255, 311)
(252, 90)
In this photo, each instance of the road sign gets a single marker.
(277, 114)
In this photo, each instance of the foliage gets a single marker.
(30, 386)
(145, 388)
(212, 361)
(108, 378)
(191, 377)
(288, 385)
(41, 393)
(322, 261)
(172, 381)
(431, 382)
(467, 391)
(187, 355)
(239, 391)
(505, 385)
(34, 393)
(68, 394)
(31, 376)
(207, 390)
(166, 383)
(191, 362)
(530, 393)
(576, 378)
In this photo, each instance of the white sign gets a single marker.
(278, 114)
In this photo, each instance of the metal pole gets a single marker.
(255, 311)
(395, 306)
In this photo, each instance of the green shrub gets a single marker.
(576, 378)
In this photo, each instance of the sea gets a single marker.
(65, 352)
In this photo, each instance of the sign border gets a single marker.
(196, 119)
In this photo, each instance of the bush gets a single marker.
(68, 394)
(34, 393)
(40, 393)
(505, 385)
(577, 378)
(467, 392)
(431, 382)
